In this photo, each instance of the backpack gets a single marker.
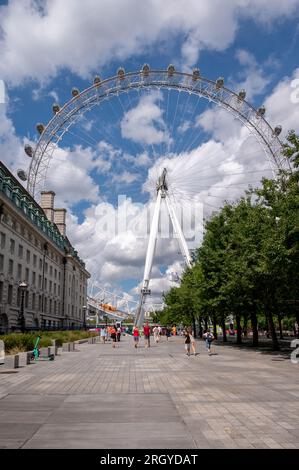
(209, 337)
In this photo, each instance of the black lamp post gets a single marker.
(23, 286)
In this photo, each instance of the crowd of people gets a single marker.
(114, 333)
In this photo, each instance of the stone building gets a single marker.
(34, 248)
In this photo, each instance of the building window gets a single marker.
(28, 256)
(20, 251)
(39, 282)
(19, 276)
(26, 299)
(58, 289)
(40, 303)
(33, 278)
(45, 284)
(46, 267)
(9, 294)
(55, 273)
(27, 275)
(2, 240)
(46, 305)
(1, 262)
(10, 267)
(50, 287)
(1, 292)
(34, 260)
(51, 271)
(12, 246)
(33, 301)
(55, 289)
(40, 264)
(50, 306)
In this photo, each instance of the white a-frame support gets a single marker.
(162, 193)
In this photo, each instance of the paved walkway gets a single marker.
(152, 398)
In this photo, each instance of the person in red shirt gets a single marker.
(147, 334)
(136, 336)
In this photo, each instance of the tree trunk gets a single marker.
(206, 323)
(245, 323)
(224, 338)
(275, 343)
(280, 326)
(239, 329)
(255, 333)
(200, 332)
(215, 327)
(193, 324)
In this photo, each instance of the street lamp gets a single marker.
(23, 286)
(84, 318)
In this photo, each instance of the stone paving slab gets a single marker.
(152, 398)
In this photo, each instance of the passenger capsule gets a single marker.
(170, 70)
(55, 108)
(277, 130)
(195, 74)
(97, 80)
(75, 92)
(40, 128)
(261, 111)
(242, 94)
(121, 73)
(28, 150)
(219, 83)
(22, 175)
(146, 70)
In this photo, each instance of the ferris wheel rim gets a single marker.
(48, 139)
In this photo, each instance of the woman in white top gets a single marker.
(103, 334)
(189, 330)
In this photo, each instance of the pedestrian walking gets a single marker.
(113, 336)
(156, 334)
(208, 336)
(147, 333)
(192, 340)
(168, 333)
(187, 342)
(118, 333)
(136, 336)
(103, 335)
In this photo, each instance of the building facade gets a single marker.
(34, 249)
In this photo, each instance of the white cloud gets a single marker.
(254, 78)
(11, 146)
(38, 39)
(281, 108)
(125, 177)
(144, 123)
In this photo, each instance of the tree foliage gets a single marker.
(248, 263)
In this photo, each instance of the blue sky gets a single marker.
(47, 48)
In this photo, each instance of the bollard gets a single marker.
(12, 361)
(28, 357)
(65, 347)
